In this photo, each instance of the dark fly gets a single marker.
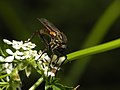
(58, 39)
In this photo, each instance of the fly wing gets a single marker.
(48, 25)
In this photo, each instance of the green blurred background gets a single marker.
(85, 22)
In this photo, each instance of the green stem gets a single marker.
(40, 80)
(94, 50)
(96, 35)
(3, 76)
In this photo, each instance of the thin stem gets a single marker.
(40, 80)
(97, 34)
(94, 50)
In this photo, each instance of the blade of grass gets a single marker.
(100, 29)
(94, 50)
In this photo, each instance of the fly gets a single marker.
(58, 39)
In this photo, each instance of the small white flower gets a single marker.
(31, 45)
(33, 53)
(28, 46)
(30, 54)
(51, 74)
(8, 67)
(27, 54)
(17, 44)
(45, 57)
(38, 56)
(1, 58)
(17, 55)
(9, 59)
(61, 60)
(7, 41)
(22, 57)
(46, 71)
(9, 51)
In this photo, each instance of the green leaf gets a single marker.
(62, 87)
(58, 86)
(28, 70)
(23, 65)
(1, 52)
(55, 87)
(3, 76)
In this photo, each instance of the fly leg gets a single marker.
(32, 36)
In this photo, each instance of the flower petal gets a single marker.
(18, 57)
(9, 59)
(19, 53)
(46, 57)
(7, 41)
(17, 44)
(9, 51)
(61, 59)
(51, 74)
(1, 58)
(9, 68)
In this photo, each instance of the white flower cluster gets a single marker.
(25, 50)
(51, 65)
(22, 50)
